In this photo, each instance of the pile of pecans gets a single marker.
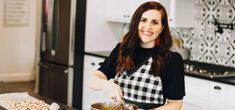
(24, 104)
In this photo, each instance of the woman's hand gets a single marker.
(113, 91)
(98, 81)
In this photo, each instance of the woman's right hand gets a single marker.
(99, 81)
(113, 91)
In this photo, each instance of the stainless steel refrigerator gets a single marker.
(61, 51)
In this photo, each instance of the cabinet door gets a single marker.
(181, 13)
(196, 94)
(59, 82)
(44, 81)
(91, 63)
(230, 97)
(122, 10)
(217, 96)
(136, 3)
(53, 82)
(118, 10)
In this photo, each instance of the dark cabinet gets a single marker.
(61, 50)
(53, 82)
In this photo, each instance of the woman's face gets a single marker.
(150, 27)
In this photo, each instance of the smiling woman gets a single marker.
(145, 72)
(150, 26)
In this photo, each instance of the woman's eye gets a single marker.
(142, 20)
(154, 22)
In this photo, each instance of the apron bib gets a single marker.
(141, 86)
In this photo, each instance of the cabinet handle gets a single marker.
(126, 16)
(217, 88)
(66, 71)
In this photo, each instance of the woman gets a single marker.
(144, 71)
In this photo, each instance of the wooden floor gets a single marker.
(17, 87)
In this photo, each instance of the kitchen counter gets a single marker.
(228, 80)
(103, 54)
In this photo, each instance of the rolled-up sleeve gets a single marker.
(108, 67)
(174, 84)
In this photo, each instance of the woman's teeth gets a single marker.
(147, 33)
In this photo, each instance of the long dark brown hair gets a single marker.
(131, 40)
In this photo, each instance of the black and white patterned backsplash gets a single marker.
(205, 42)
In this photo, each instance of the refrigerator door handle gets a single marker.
(55, 35)
(72, 31)
(50, 26)
(43, 40)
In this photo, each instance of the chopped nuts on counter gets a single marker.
(24, 105)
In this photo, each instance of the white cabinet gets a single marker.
(118, 10)
(230, 97)
(217, 96)
(100, 35)
(122, 10)
(91, 63)
(180, 12)
(196, 94)
(208, 95)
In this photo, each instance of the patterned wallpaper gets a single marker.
(206, 42)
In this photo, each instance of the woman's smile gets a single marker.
(150, 27)
(147, 33)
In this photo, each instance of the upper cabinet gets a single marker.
(118, 10)
(121, 10)
(180, 12)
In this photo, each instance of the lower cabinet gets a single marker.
(196, 94)
(217, 96)
(230, 97)
(208, 95)
(91, 63)
(53, 82)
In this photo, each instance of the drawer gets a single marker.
(92, 62)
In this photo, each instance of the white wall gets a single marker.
(18, 54)
(100, 35)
